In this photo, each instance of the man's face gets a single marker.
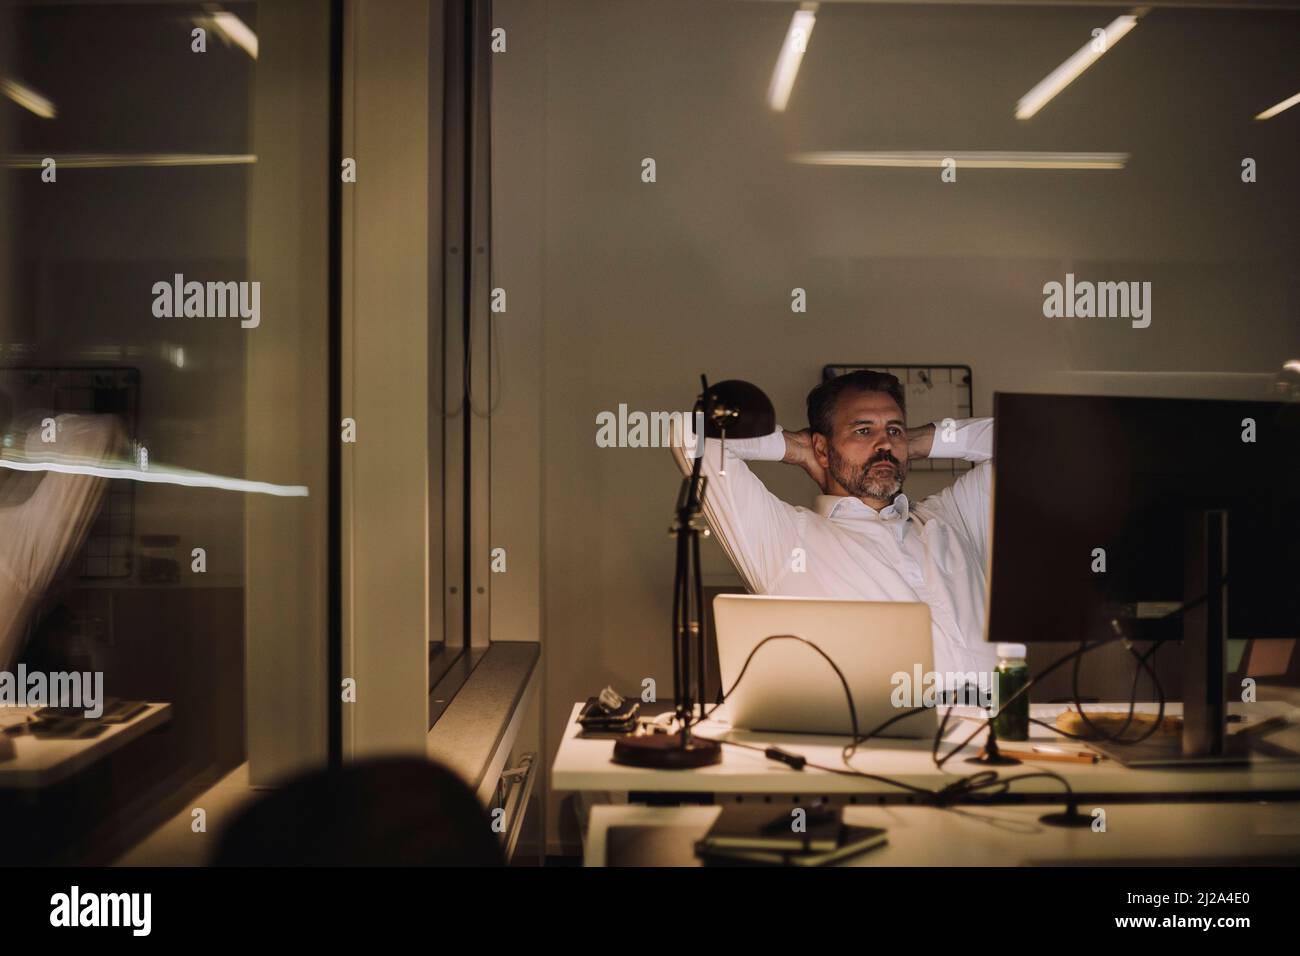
(867, 451)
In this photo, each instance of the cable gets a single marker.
(938, 737)
(851, 748)
(853, 711)
(1133, 695)
(1075, 655)
(968, 786)
(1117, 627)
(962, 788)
(853, 718)
(851, 772)
(1116, 737)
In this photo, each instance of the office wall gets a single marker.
(643, 286)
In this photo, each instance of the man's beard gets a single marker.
(861, 482)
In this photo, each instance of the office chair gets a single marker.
(383, 812)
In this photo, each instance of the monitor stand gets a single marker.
(1205, 739)
(1168, 752)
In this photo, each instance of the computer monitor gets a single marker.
(1127, 509)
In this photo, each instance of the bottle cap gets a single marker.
(1011, 650)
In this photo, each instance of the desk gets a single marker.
(1136, 835)
(585, 765)
(40, 762)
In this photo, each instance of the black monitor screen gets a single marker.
(1092, 497)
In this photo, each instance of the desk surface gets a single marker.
(39, 762)
(585, 765)
(1135, 835)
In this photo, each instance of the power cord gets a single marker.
(963, 788)
(1097, 734)
(1117, 736)
(1076, 656)
(943, 724)
(970, 785)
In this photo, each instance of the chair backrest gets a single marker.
(382, 812)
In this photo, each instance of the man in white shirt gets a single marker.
(863, 538)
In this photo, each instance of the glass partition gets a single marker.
(164, 330)
(759, 190)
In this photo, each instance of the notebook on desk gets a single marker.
(768, 835)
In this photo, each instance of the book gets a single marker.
(854, 841)
(764, 827)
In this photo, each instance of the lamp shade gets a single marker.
(739, 409)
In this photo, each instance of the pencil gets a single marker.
(1079, 757)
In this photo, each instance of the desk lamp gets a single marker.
(739, 410)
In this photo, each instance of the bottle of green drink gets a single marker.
(1011, 722)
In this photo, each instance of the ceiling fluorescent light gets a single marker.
(154, 475)
(127, 160)
(1274, 110)
(964, 160)
(792, 51)
(236, 31)
(1067, 72)
(28, 99)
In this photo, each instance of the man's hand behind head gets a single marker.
(799, 451)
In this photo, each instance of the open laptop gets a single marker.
(789, 687)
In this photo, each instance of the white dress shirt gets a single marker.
(933, 551)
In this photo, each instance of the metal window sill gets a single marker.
(476, 731)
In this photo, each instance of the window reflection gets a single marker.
(130, 382)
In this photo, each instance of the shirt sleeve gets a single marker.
(966, 504)
(970, 439)
(756, 529)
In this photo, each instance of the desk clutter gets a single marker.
(612, 717)
(761, 835)
(608, 714)
(1105, 722)
(66, 723)
(1116, 721)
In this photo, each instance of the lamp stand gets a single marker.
(682, 750)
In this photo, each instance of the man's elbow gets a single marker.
(679, 456)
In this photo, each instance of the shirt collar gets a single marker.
(828, 505)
